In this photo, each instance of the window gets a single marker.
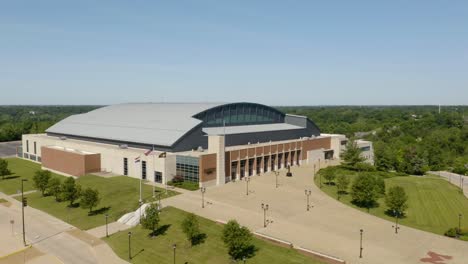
(242, 168)
(143, 170)
(158, 176)
(259, 163)
(125, 166)
(27, 146)
(251, 167)
(265, 164)
(188, 168)
(367, 148)
(35, 150)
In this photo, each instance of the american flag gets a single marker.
(137, 159)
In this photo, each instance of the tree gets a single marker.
(379, 186)
(352, 154)
(191, 228)
(54, 188)
(363, 191)
(329, 174)
(4, 171)
(342, 183)
(396, 200)
(41, 180)
(70, 190)
(151, 219)
(238, 240)
(90, 198)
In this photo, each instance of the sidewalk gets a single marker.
(54, 237)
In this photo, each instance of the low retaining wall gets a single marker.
(286, 244)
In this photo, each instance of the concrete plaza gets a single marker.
(330, 227)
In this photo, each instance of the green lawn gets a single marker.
(119, 195)
(434, 204)
(159, 249)
(21, 169)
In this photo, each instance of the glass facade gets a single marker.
(188, 168)
(240, 114)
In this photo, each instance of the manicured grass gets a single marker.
(119, 195)
(3, 200)
(21, 169)
(434, 204)
(159, 249)
(191, 186)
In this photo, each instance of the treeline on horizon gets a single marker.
(16, 120)
(409, 139)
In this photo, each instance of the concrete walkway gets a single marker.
(53, 236)
(330, 227)
(113, 228)
(456, 179)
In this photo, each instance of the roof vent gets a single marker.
(123, 146)
(63, 138)
(200, 149)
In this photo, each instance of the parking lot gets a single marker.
(8, 149)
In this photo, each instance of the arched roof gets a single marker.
(161, 124)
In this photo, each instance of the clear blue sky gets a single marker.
(273, 52)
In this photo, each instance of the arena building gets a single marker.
(202, 142)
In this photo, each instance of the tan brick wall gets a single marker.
(69, 162)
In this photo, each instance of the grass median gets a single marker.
(148, 250)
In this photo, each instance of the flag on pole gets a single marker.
(148, 152)
(162, 155)
(137, 159)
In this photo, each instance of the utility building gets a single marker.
(207, 143)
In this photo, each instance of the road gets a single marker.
(330, 227)
(53, 236)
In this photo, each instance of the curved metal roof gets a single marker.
(145, 123)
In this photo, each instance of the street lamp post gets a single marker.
(129, 245)
(141, 204)
(265, 208)
(308, 193)
(202, 190)
(247, 180)
(107, 230)
(23, 202)
(276, 175)
(360, 248)
(459, 224)
(397, 214)
(174, 249)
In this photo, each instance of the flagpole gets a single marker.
(141, 200)
(154, 180)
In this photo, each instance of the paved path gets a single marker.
(455, 179)
(53, 236)
(329, 227)
(113, 228)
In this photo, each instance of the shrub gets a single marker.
(41, 180)
(238, 240)
(191, 228)
(364, 191)
(177, 179)
(452, 232)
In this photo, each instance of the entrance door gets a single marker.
(242, 168)
(233, 170)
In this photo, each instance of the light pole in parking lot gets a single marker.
(308, 193)
(265, 208)
(247, 180)
(360, 248)
(203, 190)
